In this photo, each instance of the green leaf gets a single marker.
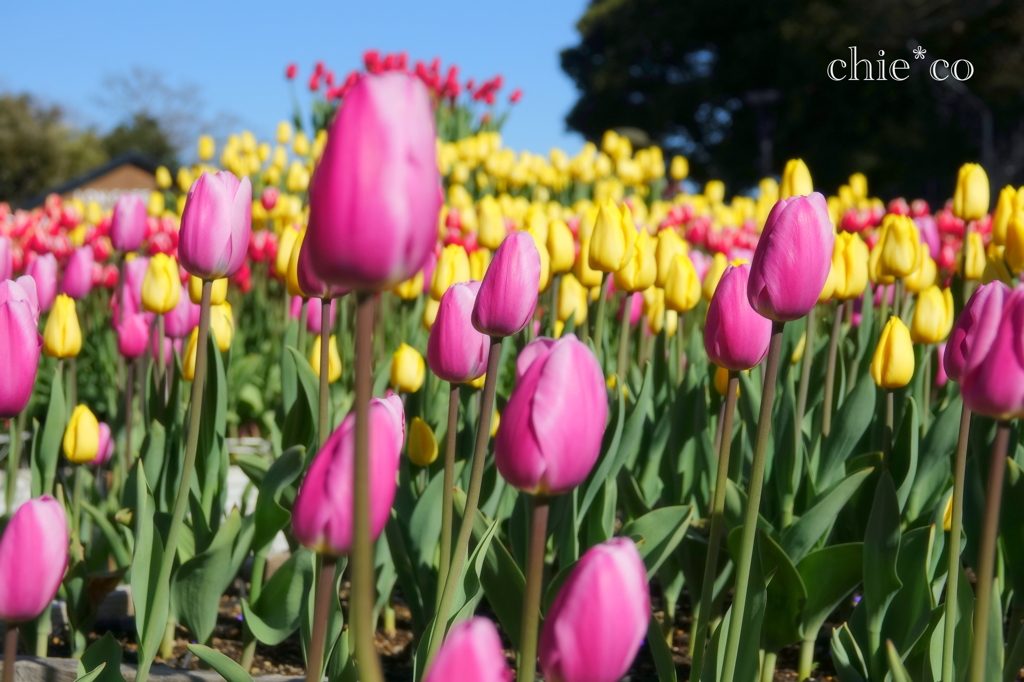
(300, 426)
(849, 425)
(117, 546)
(658, 533)
(405, 572)
(635, 424)
(899, 673)
(103, 660)
(151, 599)
(603, 471)
(786, 596)
(289, 374)
(199, 583)
(47, 444)
(1011, 529)
(153, 451)
(881, 552)
(210, 475)
(271, 517)
(663, 662)
(830, 574)
(933, 466)
(847, 656)
(910, 611)
(802, 536)
(276, 613)
(91, 676)
(228, 669)
(903, 464)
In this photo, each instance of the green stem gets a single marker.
(476, 478)
(599, 321)
(325, 371)
(897, 297)
(321, 612)
(361, 556)
(884, 317)
(623, 360)
(76, 508)
(926, 390)
(303, 312)
(160, 363)
(163, 583)
(805, 376)
(764, 427)
(702, 609)
(556, 283)
(72, 383)
(768, 666)
(887, 434)
(448, 491)
(259, 567)
(830, 371)
(10, 652)
(534, 582)
(807, 660)
(987, 554)
(955, 525)
(13, 460)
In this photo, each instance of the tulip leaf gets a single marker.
(425, 533)
(636, 423)
(276, 614)
(847, 656)
(849, 425)
(406, 572)
(154, 451)
(903, 462)
(786, 596)
(271, 517)
(658, 533)
(289, 373)
(660, 651)
(603, 471)
(1011, 528)
(300, 425)
(881, 552)
(47, 442)
(93, 675)
(200, 581)
(122, 556)
(830, 574)
(151, 598)
(470, 591)
(802, 536)
(933, 465)
(103, 660)
(910, 611)
(896, 667)
(227, 668)
(211, 453)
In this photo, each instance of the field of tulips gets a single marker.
(564, 415)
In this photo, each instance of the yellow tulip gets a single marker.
(422, 447)
(184, 179)
(893, 363)
(452, 268)
(301, 144)
(82, 436)
(658, 319)
(612, 242)
(722, 381)
(669, 245)
(874, 267)
(430, 313)
(572, 300)
(714, 191)
(545, 260)
(971, 197)
(333, 358)
(291, 279)
(492, 229)
(679, 168)
(162, 177)
(285, 244)
(407, 369)
(995, 266)
(798, 352)
(62, 336)
(495, 422)
(410, 288)
(479, 261)
(974, 256)
(284, 132)
(796, 180)
(586, 275)
(1014, 251)
(161, 285)
(850, 263)
(641, 268)
(222, 325)
(933, 316)
(718, 265)
(947, 515)
(858, 186)
(156, 204)
(561, 246)
(682, 286)
(901, 247)
(830, 283)
(925, 276)
(1006, 206)
(218, 293)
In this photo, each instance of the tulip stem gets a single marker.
(768, 666)
(534, 580)
(128, 390)
(926, 389)
(160, 361)
(10, 652)
(72, 383)
(703, 608)
(325, 371)
(764, 427)
(303, 312)
(259, 567)
(830, 371)
(13, 460)
(163, 583)
(622, 367)
(897, 297)
(987, 553)
(556, 282)
(476, 478)
(887, 434)
(321, 613)
(361, 557)
(447, 492)
(599, 322)
(805, 373)
(807, 660)
(955, 524)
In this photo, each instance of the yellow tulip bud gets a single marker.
(682, 285)
(893, 363)
(162, 177)
(222, 325)
(850, 264)
(410, 288)
(798, 352)
(947, 515)
(714, 191)
(974, 256)
(218, 293)
(291, 278)
(430, 313)
(62, 337)
(561, 247)
(284, 132)
(301, 144)
(161, 285)
(333, 358)
(1006, 206)
(156, 204)
(407, 369)
(184, 179)
(285, 244)
(901, 247)
(479, 261)
(874, 267)
(207, 148)
(995, 266)
(495, 422)
(452, 268)
(297, 179)
(82, 436)
(722, 381)
(492, 229)
(422, 445)
(679, 168)
(1014, 251)
(572, 300)
(933, 316)
(586, 275)
(796, 180)
(545, 260)
(612, 242)
(641, 268)
(669, 245)
(718, 265)
(188, 361)
(971, 197)
(925, 276)
(830, 284)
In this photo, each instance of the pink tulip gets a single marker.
(33, 558)
(20, 344)
(314, 316)
(792, 259)
(551, 429)
(428, 270)
(993, 384)
(735, 335)
(941, 378)
(295, 308)
(215, 226)
(508, 294)
(977, 323)
(599, 619)
(180, 322)
(106, 447)
(311, 285)
(77, 281)
(154, 348)
(44, 271)
(456, 351)
(376, 192)
(472, 652)
(322, 514)
(269, 197)
(6, 259)
(22, 289)
(882, 291)
(636, 307)
(929, 231)
(701, 263)
(128, 224)
(132, 334)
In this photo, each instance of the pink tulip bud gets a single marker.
(154, 348)
(311, 285)
(551, 430)
(269, 197)
(456, 351)
(508, 294)
(77, 281)
(128, 224)
(132, 333)
(180, 322)
(376, 193)
(314, 315)
(322, 514)
(599, 619)
(6, 258)
(20, 344)
(472, 652)
(977, 323)
(33, 558)
(736, 337)
(993, 384)
(106, 447)
(215, 226)
(636, 308)
(792, 259)
(941, 378)
(22, 289)
(295, 308)
(44, 271)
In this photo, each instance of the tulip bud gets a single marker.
(1006, 208)
(507, 297)
(679, 168)
(595, 627)
(62, 337)
(222, 325)
(971, 197)
(452, 268)
(980, 317)
(933, 316)
(641, 268)
(572, 300)
(284, 251)
(218, 292)
(893, 363)
(456, 351)
(82, 436)
(561, 247)
(106, 446)
(471, 651)
(333, 358)
(850, 266)
(973, 252)
(44, 271)
(792, 259)
(77, 281)
(711, 278)
(993, 385)
(188, 361)
(900, 243)
(926, 275)
(735, 335)
(407, 369)
(682, 285)
(796, 180)
(161, 287)
(422, 447)
(479, 261)
(19, 349)
(429, 313)
(33, 558)
(322, 513)
(613, 240)
(1014, 252)
(128, 223)
(132, 335)
(492, 224)
(553, 423)
(411, 288)
(179, 322)
(669, 245)
(215, 227)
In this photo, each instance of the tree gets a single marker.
(145, 135)
(741, 86)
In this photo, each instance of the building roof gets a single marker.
(137, 159)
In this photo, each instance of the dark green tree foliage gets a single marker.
(142, 134)
(740, 86)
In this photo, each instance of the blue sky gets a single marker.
(63, 51)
